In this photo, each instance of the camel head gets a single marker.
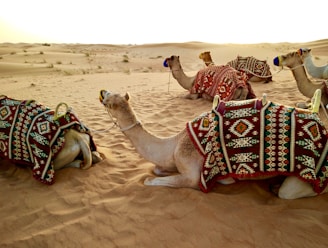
(304, 52)
(113, 102)
(173, 62)
(206, 57)
(290, 60)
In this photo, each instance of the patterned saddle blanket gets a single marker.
(252, 66)
(30, 136)
(221, 80)
(246, 139)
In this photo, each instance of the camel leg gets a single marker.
(188, 162)
(293, 188)
(175, 181)
(240, 94)
(161, 171)
(75, 143)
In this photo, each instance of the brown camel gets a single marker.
(224, 81)
(207, 58)
(251, 139)
(33, 135)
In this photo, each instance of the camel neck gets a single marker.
(185, 81)
(304, 84)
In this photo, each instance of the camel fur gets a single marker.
(225, 81)
(313, 70)
(239, 64)
(294, 61)
(33, 135)
(206, 57)
(178, 163)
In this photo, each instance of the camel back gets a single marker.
(30, 136)
(220, 80)
(251, 66)
(244, 139)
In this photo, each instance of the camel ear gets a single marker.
(127, 96)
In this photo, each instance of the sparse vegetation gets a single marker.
(125, 58)
(127, 71)
(50, 66)
(41, 52)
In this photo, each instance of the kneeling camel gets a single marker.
(251, 139)
(33, 135)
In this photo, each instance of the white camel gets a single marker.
(224, 81)
(33, 135)
(293, 60)
(312, 69)
(183, 161)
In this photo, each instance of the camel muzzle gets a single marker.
(165, 64)
(277, 61)
(102, 95)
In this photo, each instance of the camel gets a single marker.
(33, 135)
(207, 58)
(293, 60)
(225, 81)
(314, 71)
(198, 158)
(256, 70)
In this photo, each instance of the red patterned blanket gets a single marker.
(251, 66)
(243, 139)
(220, 80)
(29, 135)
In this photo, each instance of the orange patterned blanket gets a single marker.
(220, 80)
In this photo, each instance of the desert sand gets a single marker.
(108, 205)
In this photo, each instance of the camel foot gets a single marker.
(96, 158)
(176, 181)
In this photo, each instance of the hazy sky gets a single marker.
(151, 21)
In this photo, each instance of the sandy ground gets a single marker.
(108, 205)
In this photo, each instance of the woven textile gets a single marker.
(243, 139)
(30, 136)
(251, 66)
(220, 80)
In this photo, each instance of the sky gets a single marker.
(151, 21)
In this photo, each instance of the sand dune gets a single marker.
(108, 205)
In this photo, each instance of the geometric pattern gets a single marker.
(251, 66)
(4, 112)
(220, 80)
(269, 140)
(30, 136)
